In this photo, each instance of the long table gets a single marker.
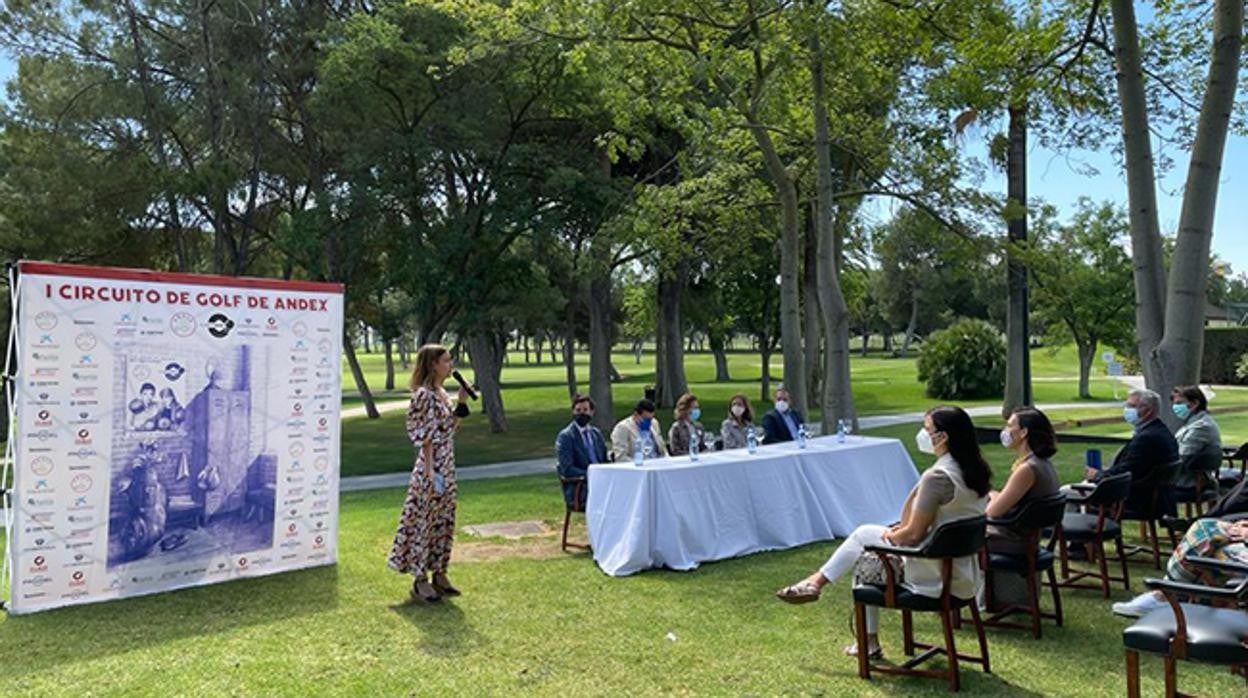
(677, 513)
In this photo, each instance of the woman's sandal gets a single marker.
(427, 598)
(447, 589)
(802, 592)
(852, 651)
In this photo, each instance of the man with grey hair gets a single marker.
(1151, 447)
(781, 423)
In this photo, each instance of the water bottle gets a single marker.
(751, 440)
(638, 456)
(694, 438)
(801, 436)
(840, 431)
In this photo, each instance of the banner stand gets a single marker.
(7, 465)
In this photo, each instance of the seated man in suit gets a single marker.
(577, 447)
(626, 433)
(1151, 448)
(782, 422)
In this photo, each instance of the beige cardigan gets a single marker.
(624, 438)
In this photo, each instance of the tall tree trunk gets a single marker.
(765, 354)
(1017, 325)
(569, 349)
(838, 395)
(370, 405)
(888, 342)
(1087, 350)
(911, 326)
(669, 358)
(550, 336)
(537, 347)
(368, 334)
(1146, 250)
(721, 357)
(404, 353)
(790, 236)
(487, 366)
(812, 332)
(389, 345)
(866, 342)
(527, 361)
(1169, 321)
(600, 345)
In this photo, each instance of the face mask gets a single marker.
(644, 424)
(1131, 414)
(1006, 440)
(695, 414)
(582, 419)
(782, 406)
(924, 441)
(1181, 410)
(738, 410)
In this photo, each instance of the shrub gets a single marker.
(964, 361)
(1223, 348)
(1241, 369)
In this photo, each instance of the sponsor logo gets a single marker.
(44, 356)
(85, 391)
(300, 346)
(318, 542)
(296, 465)
(40, 544)
(83, 403)
(219, 325)
(48, 342)
(270, 323)
(174, 371)
(78, 579)
(39, 564)
(80, 504)
(83, 437)
(85, 377)
(37, 580)
(324, 346)
(81, 519)
(85, 361)
(182, 324)
(41, 502)
(43, 435)
(48, 372)
(125, 319)
(43, 418)
(149, 320)
(79, 546)
(45, 320)
(80, 483)
(300, 328)
(241, 563)
(82, 453)
(85, 341)
(296, 449)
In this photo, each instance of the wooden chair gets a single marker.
(1226, 479)
(1192, 631)
(953, 539)
(579, 484)
(1158, 490)
(1204, 490)
(1033, 518)
(1092, 530)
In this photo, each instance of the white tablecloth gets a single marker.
(678, 513)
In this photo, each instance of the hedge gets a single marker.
(1223, 347)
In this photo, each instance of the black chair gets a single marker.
(1191, 631)
(1204, 489)
(953, 539)
(1091, 530)
(1156, 489)
(579, 483)
(1032, 518)
(1230, 455)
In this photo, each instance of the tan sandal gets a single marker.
(877, 652)
(802, 592)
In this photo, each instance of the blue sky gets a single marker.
(1053, 177)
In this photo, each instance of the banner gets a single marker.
(171, 430)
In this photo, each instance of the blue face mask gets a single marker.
(695, 414)
(644, 424)
(1181, 410)
(1131, 414)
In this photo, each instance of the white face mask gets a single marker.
(738, 410)
(1006, 440)
(782, 406)
(924, 441)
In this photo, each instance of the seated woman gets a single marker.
(740, 420)
(1200, 441)
(955, 487)
(1221, 540)
(685, 428)
(1030, 435)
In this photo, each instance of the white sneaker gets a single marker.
(1139, 606)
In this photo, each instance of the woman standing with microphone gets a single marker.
(422, 545)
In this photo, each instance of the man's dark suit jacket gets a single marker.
(574, 460)
(775, 430)
(1152, 447)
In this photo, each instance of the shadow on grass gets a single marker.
(69, 635)
(445, 630)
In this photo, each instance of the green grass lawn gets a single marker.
(532, 622)
(536, 400)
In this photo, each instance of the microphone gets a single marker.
(464, 384)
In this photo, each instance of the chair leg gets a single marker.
(1033, 603)
(946, 622)
(1171, 677)
(983, 639)
(1104, 567)
(1152, 534)
(907, 633)
(1057, 597)
(1122, 557)
(1133, 674)
(860, 629)
(567, 520)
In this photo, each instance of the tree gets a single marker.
(1080, 270)
(1170, 335)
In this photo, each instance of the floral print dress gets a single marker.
(422, 543)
